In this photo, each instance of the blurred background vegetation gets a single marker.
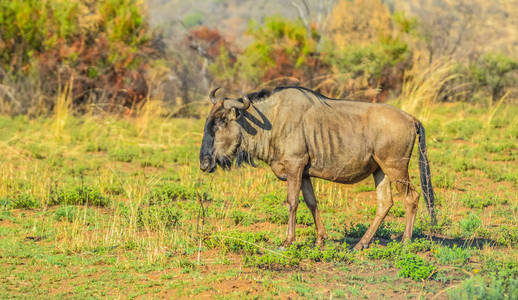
(114, 55)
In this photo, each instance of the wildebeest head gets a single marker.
(222, 133)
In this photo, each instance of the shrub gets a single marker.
(392, 250)
(413, 266)
(493, 71)
(297, 253)
(155, 217)
(239, 242)
(476, 201)
(71, 213)
(507, 236)
(464, 129)
(456, 255)
(172, 192)
(280, 48)
(103, 46)
(409, 264)
(243, 218)
(25, 201)
(124, 153)
(469, 225)
(477, 288)
(82, 195)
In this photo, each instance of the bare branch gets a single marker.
(302, 15)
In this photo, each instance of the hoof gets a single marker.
(360, 246)
(287, 243)
(320, 241)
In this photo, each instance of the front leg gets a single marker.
(294, 179)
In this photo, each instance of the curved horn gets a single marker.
(212, 95)
(235, 103)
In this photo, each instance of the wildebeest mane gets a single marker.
(244, 157)
(265, 93)
(304, 90)
(258, 96)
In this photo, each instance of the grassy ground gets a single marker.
(105, 207)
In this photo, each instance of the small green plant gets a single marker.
(409, 264)
(476, 201)
(158, 216)
(507, 236)
(397, 211)
(71, 213)
(81, 195)
(413, 266)
(172, 192)
(297, 253)
(24, 200)
(477, 288)
(243, 218)
(445, 180)
(304, 217)
(238, 242)
(456, 255)
(464, 129)
(68, 213)
(469, 225)
(463, 164)
(271, 261)
(124, 153)
(392, 250)
(96, 146)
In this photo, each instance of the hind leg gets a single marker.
(411, 200)
(311, 202)
(384, 196)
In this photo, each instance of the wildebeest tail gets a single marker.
(424, 172)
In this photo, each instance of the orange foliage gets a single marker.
(208, 42)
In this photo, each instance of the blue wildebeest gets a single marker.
(302, 134)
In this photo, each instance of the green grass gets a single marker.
(116, 208)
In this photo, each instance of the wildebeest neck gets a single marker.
(257, 131)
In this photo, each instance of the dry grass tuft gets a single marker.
(422, 86)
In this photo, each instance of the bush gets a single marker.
(82, 195)
(413, 266)
(477, 288)
(494, 72)
(469, 225)
(409, 264)
(281, 48)
(243, 218)
(476, 201)
(72, 213)
(507, 236)
(172, 192)
(456, 255)
(239, 242)
(464, 129)
(155, 217)
(103, 46)
(297, 253)
(24, 201)
(124, 154)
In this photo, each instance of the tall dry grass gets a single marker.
(422, 86)
(62, 108)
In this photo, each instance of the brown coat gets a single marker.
(303, 134)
